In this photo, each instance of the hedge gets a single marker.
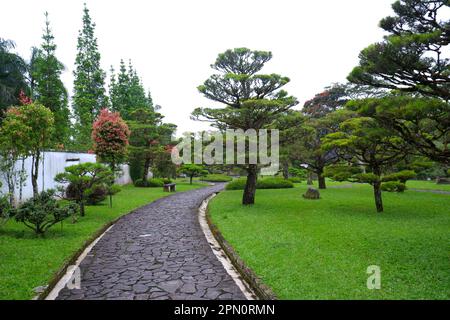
(216, 178)
(266, 183)
(151, 183)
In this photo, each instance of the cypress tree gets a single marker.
(50, 90)
(89, 92)
(127, 93)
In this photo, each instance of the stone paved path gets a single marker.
(156, 252)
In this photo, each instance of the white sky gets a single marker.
(173, 42)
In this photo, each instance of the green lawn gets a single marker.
(306, 249)
(427, 185)
(27, 261)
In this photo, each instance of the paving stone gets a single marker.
(188, 288)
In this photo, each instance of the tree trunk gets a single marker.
(286, 170)
(22, 179)
(146, 169)
(190, 179)
(11, 188)
(81, 203)
(377, 189)
(321, 178)
(35, 173)
(378, 198)
(250, 187)
(309, 182)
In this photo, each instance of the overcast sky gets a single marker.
(173, 42)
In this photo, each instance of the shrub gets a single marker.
(295, 180)
(274, 183)
(43, 211)
(237, 184)
(166, 181)
(139, 183)
(267, 183)
(93, 195)
(96, 194)
(151, 183)
(155, 182)
(393, 186)
(216, 178)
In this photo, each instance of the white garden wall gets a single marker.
(53, 163)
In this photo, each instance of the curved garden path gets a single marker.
(157, 252)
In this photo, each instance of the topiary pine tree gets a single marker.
(361, 141)
(89, 92)
(412, 57)
(193, 170)
(252, 100)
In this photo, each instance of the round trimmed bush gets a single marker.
(237, 184)
(139, 183)
(150, 183)
(216, 178)
(93, 196)
(266, 183)
(393, 186)
(96, 194)
(274, 183)
(155, 182)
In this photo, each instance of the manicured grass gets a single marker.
(27, 261)
(427, 185)
(320, 249)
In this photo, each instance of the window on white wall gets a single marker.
(72, 162)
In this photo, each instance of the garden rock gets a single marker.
(312, 194)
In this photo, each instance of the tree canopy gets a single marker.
(413, 57)
(363, 143)
(12, 75)
(127, 93)
(110, 135)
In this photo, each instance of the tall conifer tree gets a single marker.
(127, 93)
(49, 89)
(89, 92)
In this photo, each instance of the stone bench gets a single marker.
(169, 187)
